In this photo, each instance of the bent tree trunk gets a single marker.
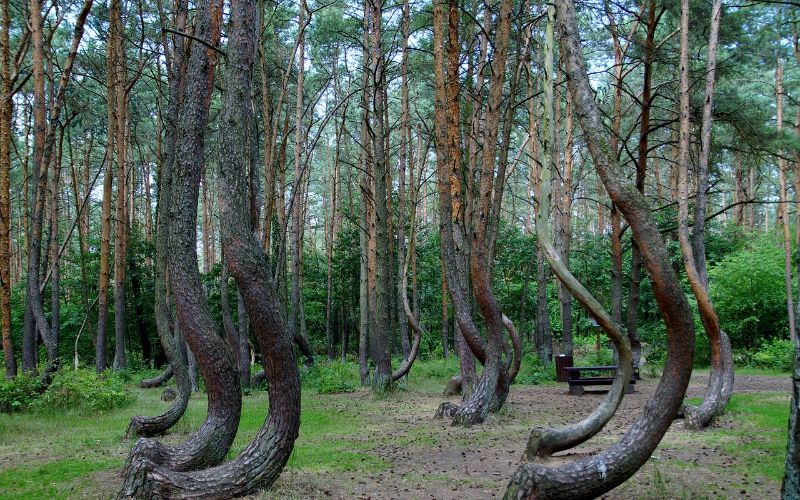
(492, 389)
(590, 477)
(157, 381)
(720, 382)
(159, 424)
(405, 367)
(209, 445)
(262, 461)
(546, 441)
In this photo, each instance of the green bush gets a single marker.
(777, 354)
(747, 288)
(85, 390)
(19, 393)
(330, 377)
(532, 372)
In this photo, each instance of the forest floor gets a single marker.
(354, 445)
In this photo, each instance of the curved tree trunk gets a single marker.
(405, 367)
(167, 330)
(492, 389)
(720, 382)
(546, 441)
(157, 381)
(209, 445)
(590, 477)
(262, 461)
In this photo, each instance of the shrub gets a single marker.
(532, 372)
(85, 390)
(330, 377)
(19, 393)
(777, 354)
(747, 288)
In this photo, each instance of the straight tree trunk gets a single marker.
(297, 199)
(564, 239)
(6, 117)
(783, 208)
(641, 174)
(119, 157)
(380, 333)
(403, 164)
(55, 254)
(543, 335)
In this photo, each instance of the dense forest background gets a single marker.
(308, 189)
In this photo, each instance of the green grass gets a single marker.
(754, 430)
(79, 454)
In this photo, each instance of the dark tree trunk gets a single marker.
(381, 326)
(157, 381)
(243, 336)
(168, 330)
(262, 461)
(209, 445)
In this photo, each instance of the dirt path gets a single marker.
(427, 458)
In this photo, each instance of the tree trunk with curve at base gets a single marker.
(720, 383)
(595, 475)
(167, 330)
(211, 442)
(262, 461)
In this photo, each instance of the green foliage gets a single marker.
(749, 295)
(85, 390)
(19, 393)
(533, 372)
(331, 377)
(586, 353)
(776, 354)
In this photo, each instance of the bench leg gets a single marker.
(630, 389)
(576, 390)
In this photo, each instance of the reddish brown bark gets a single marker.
(590, 477)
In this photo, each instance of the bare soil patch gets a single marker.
(429, 458)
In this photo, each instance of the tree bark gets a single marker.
(6, 117)
(159, 380)
(262, 461)
(209, 445)
(44, 143)
(117, 113)
(380, 331)
(590, 477)
(783, 208)
(720, 384)
(168, 330)
(790, 489)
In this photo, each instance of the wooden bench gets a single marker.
(577, 381)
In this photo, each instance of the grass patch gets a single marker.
(72, 454)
